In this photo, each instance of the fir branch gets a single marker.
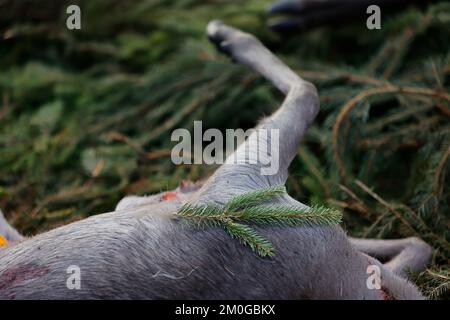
(248, 207)
(202, 216)
(251, 238)
(253, 198)
(291, 216)
(440, 290)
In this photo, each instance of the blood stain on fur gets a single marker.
(386, 294)
(19, 274)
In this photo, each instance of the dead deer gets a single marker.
(139, 252)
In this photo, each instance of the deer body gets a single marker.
(140, 255)
(142, 252)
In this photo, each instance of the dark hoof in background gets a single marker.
(286, 25)
(287, 7)
(300, 15)
(289, 15)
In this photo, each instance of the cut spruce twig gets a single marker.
(250, 208)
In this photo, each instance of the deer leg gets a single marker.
(399, 256)
(289, 123)
(301, 15)
(7, 231)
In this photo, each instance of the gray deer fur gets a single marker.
(139, 252)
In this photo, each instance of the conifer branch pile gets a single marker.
(87, 118)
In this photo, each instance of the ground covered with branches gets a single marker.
(86, 116)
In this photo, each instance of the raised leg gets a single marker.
(289, 123)
(399, 256)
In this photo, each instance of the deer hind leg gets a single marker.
(289, 122)
(399, 256)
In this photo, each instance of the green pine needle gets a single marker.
(251, 238)
(290, 215)
(253, 198)
(249, 207)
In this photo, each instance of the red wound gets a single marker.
(169, 196)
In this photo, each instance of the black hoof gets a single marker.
(286, 7)
(218, 33)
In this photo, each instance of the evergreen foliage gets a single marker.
(86, 116)
(248, 207)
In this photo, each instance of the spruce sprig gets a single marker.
(249, 207)
(254, 198)
(251, 238)
(290, 215)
